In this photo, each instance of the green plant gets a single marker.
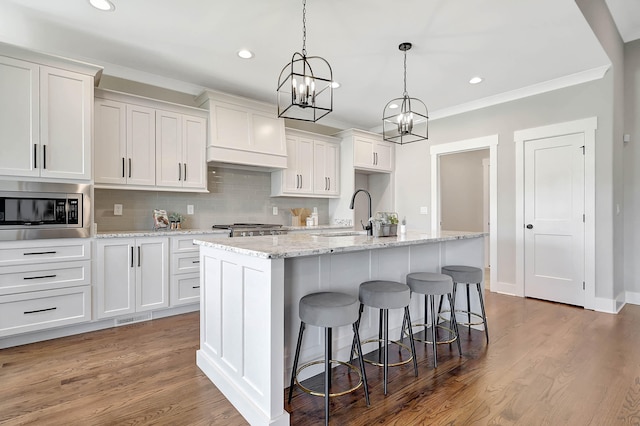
(176, 217)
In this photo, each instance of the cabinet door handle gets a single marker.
(139, 260)
(195, 261)
(329, 184)
(185, 172)
(300, 181)
(179, 172)
(297, 181)
(44, 156)
(129, 167)
(35, 155)
(195, 286)
(132, 256)
(40, 277)
(33, 253)
(123, 167)
(40, 310)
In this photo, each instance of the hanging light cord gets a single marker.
(304, 28)
(405, 94)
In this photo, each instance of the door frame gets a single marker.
(588, 128)
(486, 142)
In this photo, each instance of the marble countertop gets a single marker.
(309, 244)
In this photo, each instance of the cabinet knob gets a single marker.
(529, 226)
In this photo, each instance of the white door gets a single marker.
(194, 141)
(169, 169)
(110, 142)
(554, 221)
(115, 277)
(141, 145)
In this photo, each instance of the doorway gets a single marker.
(555, 212)
(437, 152)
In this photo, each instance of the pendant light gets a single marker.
(305, 90)
(405, 119)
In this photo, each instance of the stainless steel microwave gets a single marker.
(34, 210)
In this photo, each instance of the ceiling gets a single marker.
(516, 46)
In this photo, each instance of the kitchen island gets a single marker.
(250, 288)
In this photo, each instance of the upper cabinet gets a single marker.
(370, 152)
(147, 144)
(45, 116)
(313, 162)
(244, 131)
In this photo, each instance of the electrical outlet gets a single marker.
(424, 210)
(275, 210)
(117, 209)
(189, 208)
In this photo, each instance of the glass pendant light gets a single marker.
(305, 90)
(405, 119)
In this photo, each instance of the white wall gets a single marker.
(572, 103)
(631, 173)
(461, 191)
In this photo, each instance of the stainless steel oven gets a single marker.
(34, 210)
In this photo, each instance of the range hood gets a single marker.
(243, 132)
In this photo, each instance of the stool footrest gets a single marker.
(315, 393)
(395, 364)
(439, 342)
(462, 312)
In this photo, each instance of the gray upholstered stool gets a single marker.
(431, 285)
(467, 275)
(327, 310)
(385, 295)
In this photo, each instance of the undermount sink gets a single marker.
(341, 234)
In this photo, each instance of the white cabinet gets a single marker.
(370, 152)
(146, 144)
(244, 131)
(312, 167)
(45, 121)
(125, 144)
(180, 141)
(185, 270)
(44, 284)
(326, 157)
(131, 275)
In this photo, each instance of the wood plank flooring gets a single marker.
(546, 364)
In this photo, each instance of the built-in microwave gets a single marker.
(33, 210)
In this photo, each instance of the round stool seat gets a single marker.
(430, 283)
(329, 309)
(463, 274)
(384, 294)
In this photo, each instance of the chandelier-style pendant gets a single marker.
(305, 90)
(405, 119)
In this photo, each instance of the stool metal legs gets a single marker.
(482, 316)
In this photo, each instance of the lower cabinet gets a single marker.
(131, 275)
(185, 270)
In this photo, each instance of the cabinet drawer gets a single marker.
(184, 244)
(44, 309)
(185, 262)
(29, 252)
(23, 278)
(185, 289)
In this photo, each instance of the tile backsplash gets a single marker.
(235, 195)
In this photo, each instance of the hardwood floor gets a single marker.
(546, 364)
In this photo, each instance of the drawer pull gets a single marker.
(196, 286)
(40, 277)
(39, 252)
(195, 261)
(40, 310)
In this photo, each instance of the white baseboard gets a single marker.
(504, 288)
(632, 297)
(609, 306)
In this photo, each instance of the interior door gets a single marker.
(554, 219)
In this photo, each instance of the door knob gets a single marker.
(529, 226)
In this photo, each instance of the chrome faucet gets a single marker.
(369, 226)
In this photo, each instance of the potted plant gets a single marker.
(176, 220)
(393, 224)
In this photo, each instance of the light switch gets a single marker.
(424, 210)
(189, 208)
(117, 209)
(275, 210)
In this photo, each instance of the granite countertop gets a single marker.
(309, 244)
(160, 233)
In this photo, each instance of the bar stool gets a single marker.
(467, 275)
(431, 285)
(385, 295)
(327, 310)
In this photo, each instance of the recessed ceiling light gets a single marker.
(335, 84)
(103, 5)
(245, 54)
(476, 80)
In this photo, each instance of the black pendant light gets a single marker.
(405, 119)
(305, 90)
